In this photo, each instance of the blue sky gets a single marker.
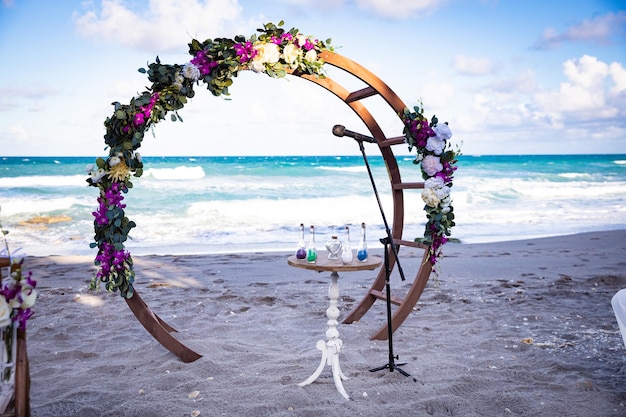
(510, 77)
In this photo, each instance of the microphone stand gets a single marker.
(387, 242)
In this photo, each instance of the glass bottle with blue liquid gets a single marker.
(361, 253)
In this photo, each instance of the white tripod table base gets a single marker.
(331, 348)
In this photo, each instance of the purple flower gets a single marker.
(145, 111)
(203, 63)
(139, 119)
(22, 317)
(245, 51)
(101, 213)
(112, 197)
(305, 43)
(110, 260)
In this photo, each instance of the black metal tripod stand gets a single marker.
(388, 243)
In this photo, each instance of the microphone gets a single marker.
(339, 130)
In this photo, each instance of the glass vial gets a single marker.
(311, 253)
(301, 250)
(346, 249)
(333, 246)
(361, 253)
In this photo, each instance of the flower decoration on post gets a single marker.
(437, 161)
(215, 62)
(18, 291)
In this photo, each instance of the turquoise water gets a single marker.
(231, 204)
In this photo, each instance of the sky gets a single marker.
(509, 76)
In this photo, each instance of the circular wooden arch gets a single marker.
(354, 99)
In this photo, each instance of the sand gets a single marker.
(520, 328)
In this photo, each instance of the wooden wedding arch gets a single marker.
(161, 331)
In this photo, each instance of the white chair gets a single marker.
(619, 307)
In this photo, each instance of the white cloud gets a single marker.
(322, 4)
(32, 98)
(587, 96)
(523, 83)
(18, 133)
(587, 72)
(592, 99)
(400, 9)
(437, 95)
(601, 30)
(472, 65)
(618, 74)
(163, 25)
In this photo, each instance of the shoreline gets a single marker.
(182, 250)
(520, 328)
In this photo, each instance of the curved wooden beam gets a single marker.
(355, 100)
(159, 329)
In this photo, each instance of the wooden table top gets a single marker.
(335, 265)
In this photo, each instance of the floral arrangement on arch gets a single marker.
(17, 292)
(437, 161)
(215, 62)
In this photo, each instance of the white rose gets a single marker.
(442, 192)
(29, 296)
(191, 72)
(114, 161)
(435, 145)
(300, 39)
(434, 182)
(257, 66)
(89, 168)
(291, 53)
(96, 176)
(431, 165)
(430, 197)
(311, 56)
(5, 312)
(443, 131)
(267, 53)
(178, 81)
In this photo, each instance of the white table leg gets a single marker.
(331, 348)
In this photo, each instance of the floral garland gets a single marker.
(274, 52)
(215, 62)
(437, 161)
(17, 293)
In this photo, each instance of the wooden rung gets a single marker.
(410, 243)
(382, 296)
(398, 140)
(360, 94)
(408, 185)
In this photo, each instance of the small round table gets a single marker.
(331, 348)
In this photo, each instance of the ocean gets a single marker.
(197, 205)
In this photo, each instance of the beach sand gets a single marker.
(519, 328)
